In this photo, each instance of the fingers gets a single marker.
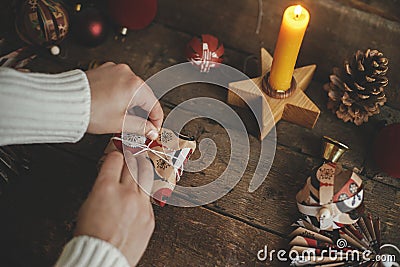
(112, 167)
(125, 84)
(145, 174)
(146, 99)
(140, 126)
(138, 172)
(105, 65)
(130, 171)
(143, 98)
(156, 115)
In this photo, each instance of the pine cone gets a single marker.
(356, 92)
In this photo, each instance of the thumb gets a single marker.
(140, 126)
(145, 174)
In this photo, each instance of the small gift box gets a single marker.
(168, 155)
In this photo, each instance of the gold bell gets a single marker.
(332, 150)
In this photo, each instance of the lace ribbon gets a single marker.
(165, 156)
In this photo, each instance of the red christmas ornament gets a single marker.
(387, 149)
(42, 22)
(205, 53)
(89, 27)
(133, 14)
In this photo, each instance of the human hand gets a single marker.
(118, 210)
(112, 87)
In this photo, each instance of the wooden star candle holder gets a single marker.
(293, 106)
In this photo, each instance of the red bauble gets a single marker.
(133, 14)
(387, 150)
(89, 27)
(205, 52)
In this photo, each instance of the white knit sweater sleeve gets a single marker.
(49, 108)
(43, 108)
(85, 251)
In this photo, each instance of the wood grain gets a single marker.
(200, 237)
(388, 9)
(38, 213)
(336, 30)
(273, 205)
(161, 55)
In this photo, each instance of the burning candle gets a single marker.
(294, 24)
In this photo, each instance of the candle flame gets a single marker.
(298, 10)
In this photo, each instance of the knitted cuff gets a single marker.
(43, 108)
(84, 251)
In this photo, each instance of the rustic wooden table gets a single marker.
(38, 211)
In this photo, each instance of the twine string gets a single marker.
(164, 156)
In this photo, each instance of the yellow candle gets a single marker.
(294, 24)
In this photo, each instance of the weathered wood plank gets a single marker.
(40, 210)
(303, 140)
(273, 205)
(335, 31)
(187, 15)
(357, 138)
(147, 52)
(200, 237)
(161, 55)
(295, 137)
(388, 9)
